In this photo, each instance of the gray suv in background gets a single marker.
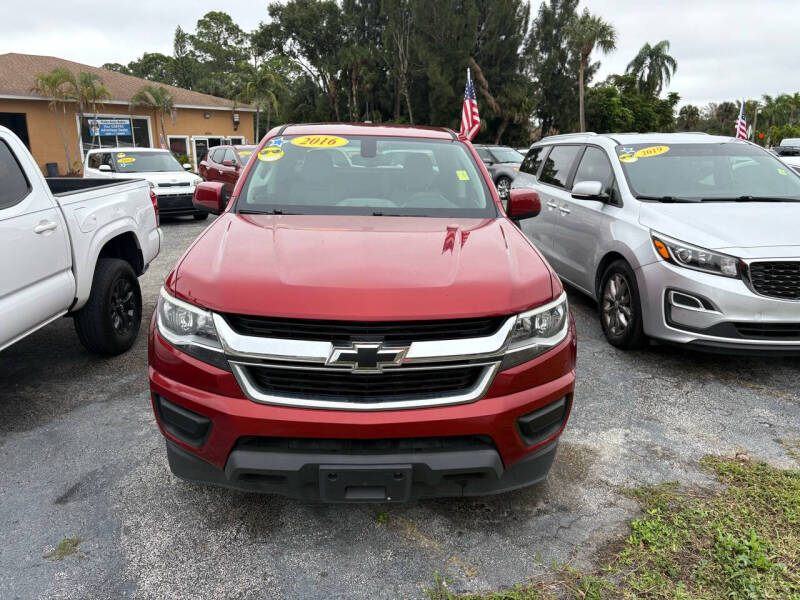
(502, 162)
(685, 238)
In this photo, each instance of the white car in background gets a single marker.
(172, 183)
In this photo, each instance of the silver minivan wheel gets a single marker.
(620, 307)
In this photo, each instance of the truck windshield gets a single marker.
(146, 162)
(365, 175)
(727, 171)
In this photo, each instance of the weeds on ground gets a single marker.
(739, 544)
(66, 547)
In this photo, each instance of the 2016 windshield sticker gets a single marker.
(462, 175)
(319, 141)
(270, 154)
(125, 161)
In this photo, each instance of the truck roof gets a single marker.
(376, 129)
(126, 149)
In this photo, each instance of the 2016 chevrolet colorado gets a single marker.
(362, 323)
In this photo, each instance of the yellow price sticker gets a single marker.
(270, 154)
(627, 157)
(319, 141)
(782, 172)
(463, 175)
(651, 151)
(245, 153)
(125, 161)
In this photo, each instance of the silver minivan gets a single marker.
(685, 238)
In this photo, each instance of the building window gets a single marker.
(111, 131)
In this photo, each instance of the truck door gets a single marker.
(36, 281)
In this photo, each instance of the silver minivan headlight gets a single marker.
(190, 329)
(696, 258)
(536, 331)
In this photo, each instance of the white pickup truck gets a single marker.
(72, 247)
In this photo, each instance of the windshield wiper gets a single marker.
(747, 198)
(668, 199)
(272, 211)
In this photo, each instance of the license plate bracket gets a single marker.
(365, 483)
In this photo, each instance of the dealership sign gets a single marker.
(110, 127)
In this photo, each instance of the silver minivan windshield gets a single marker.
(707, 172)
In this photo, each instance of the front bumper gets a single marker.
(728, 317)
(176, 204)
(237, 448)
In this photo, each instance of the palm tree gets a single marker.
(653, 68)
(260, 89)
(55, 86)
(586, 32)
(89, 92)
(158, 99)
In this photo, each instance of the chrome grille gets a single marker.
(776, 279)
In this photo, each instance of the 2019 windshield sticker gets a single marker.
(125, 161)
(628, 155)
(270, 154)
(319, 141)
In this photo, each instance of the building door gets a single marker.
(201, 145)
(18, 123)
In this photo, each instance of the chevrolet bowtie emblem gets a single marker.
(366, 357)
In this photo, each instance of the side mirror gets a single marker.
(588, 190)
(104, 168)
(523, 203)
(187, 166)
(208, 197)
(227, 163)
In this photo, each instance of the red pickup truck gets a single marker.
(363, 323)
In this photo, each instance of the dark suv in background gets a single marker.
(224, 164)
(503, 164)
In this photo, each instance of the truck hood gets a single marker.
(726, 225)
(362, 268)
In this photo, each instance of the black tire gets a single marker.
(503, 185)
(620, 307)
(200, 216)
(109, 322)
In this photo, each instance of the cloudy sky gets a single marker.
(725, 48)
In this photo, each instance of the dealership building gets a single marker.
(201, 121)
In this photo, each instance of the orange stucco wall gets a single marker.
(47, 145)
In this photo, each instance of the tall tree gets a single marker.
(262, 87)
(585, 33)
(184, 64)
(153, 66)
(398, 36)
(653, 67)
(550, 59)
(689, 118)
(221, 45)
(309, 32)
(55, 86)
(158, 99)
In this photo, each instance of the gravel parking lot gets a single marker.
(82, 457)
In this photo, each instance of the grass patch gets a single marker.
(739, 544)
(66, 547)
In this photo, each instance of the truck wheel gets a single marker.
(200, 216)
(109, 322)
(621, 307)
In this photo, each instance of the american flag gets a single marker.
(470, 119)
(741, 124)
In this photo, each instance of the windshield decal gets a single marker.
(782, 172)
(651, 151)
(245, 153)
(319, 141)
(627, 157)
(462, 175)
(270, 154)
(120, 155)
(125, 161)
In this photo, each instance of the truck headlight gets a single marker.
(694, 257)
(190, 329)
(536, 331)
